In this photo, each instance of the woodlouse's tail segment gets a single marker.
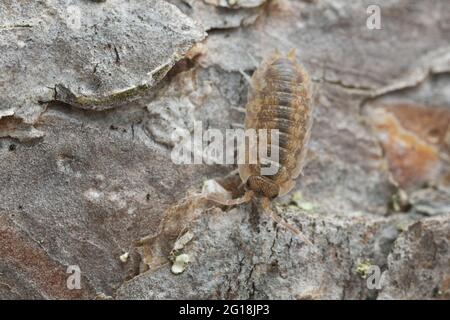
(265, 204)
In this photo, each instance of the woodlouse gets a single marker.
(279, 98)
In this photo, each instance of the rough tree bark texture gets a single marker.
(88, 106)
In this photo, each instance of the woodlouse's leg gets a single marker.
(265, 203)
(219, 198)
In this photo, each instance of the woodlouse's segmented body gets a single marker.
(279, 99)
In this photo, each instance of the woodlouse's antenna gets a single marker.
(265, 204)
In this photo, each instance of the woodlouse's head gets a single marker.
(263, 186)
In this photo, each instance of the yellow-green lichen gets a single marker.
(118, 97)
(298, 202)
(362, 268)
(124, 257)
(112, 98)
(161, 73)
(180, 263)
(400, 201)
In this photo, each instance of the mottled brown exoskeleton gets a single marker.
(279, 98)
